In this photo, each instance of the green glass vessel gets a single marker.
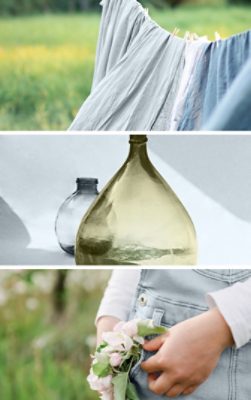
(137, 219)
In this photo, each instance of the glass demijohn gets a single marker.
(72, 210)
(137, 219)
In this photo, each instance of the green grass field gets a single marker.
(43, 357)
(46, 62)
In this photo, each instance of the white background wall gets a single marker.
(211, 175)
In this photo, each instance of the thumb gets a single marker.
(154, 344)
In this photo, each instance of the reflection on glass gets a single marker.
(72, 210)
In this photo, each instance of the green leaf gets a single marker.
(101, 368)
(131, 393)
(101, 347)
(120, 385)
(146, 328)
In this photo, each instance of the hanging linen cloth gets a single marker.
(148, 79)
(137, 73)
(117, 31)
(216, 69)
(193, 51)
(234, 111)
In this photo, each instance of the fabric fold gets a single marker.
(234, 110)
(120, 24)
(215, 71)
(137, 72)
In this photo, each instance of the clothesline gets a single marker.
(193, 36)
(177, 30)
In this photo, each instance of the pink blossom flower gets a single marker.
(130, 328)
(117, 347)
(100, 384)
(119, 326)
(118, 341)
(115, 359)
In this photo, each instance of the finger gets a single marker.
(190, 389)
(151, 365)
(153, 376)
(161, 385)
(154, 344)
(175, 390)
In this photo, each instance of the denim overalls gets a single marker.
(172, 296)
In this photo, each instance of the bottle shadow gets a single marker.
(15, 239)
(13, 232)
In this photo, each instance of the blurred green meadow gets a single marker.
(45, 339)
(47, 60)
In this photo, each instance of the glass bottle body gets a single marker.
(71, 212)
(137, 219)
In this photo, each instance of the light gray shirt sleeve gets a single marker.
(234, 303)
(119, 293)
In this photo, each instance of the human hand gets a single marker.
(105, 324)
(187, 354)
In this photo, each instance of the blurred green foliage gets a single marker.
(42, 355)
(237, 2)
(47, 61)
(17, 7)
(45, 73)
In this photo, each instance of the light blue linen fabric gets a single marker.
(138, 70)
(234, 111)
(171, 296)
(219, 65)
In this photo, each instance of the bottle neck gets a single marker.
(138, 146)
(86, 186)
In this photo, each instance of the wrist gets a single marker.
(105, 324)
(222, 330)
